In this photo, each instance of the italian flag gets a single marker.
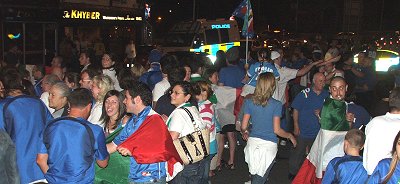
(152, 143)
(327, 145)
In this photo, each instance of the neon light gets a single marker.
(383, 64)
(393, 52)
(220, 26)
(75, 14)
(12, 37)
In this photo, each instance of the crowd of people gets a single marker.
(116, 124)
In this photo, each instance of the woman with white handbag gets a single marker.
(185, 120)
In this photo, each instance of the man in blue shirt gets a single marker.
(72, 145)
(349, 168)
(306, 123)
(23, 118)
(361, 115)
(232, 75)
(138, 100)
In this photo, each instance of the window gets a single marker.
(224, 35)
(212, 37)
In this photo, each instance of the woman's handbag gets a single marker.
(195, 146)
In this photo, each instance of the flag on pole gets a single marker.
(245, 12)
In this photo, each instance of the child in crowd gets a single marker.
(349, 168)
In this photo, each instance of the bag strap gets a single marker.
(349, 159)
(196, 128)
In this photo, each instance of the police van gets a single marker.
(202, 36)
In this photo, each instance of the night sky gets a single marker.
(313, 15)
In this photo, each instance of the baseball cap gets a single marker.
(274, 55)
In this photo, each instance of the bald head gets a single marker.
(338, 88)
(318, 81)
(58, 71)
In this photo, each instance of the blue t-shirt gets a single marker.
(261, 118)
(258, 68)
(72, 154)
(346, 169)
(151, 78)
(382, 169)
(140, 172)
(369, 79)
(232, 76)
(2, 102)
(26, 117)
(361, 115)
(242, 62)
(306, 102)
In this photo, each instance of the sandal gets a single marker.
(219, 168)
(230, 166)
(211, 173)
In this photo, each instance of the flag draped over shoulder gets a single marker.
(152, 143)
(327, 145)
(117, 170)
(245, 12)
(333, 115)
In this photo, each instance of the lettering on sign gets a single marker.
(220, 26)
(76, 14)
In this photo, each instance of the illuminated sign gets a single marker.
(94, 15)
(76, 14)
(12, 36)
(220, 26)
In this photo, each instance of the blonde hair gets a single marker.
(394, 161)
(137, 70)
(200, 86)
(264, 89)
(105, 84)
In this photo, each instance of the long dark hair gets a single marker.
(121, 109)
(394, 161)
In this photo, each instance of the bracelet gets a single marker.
(245, 132)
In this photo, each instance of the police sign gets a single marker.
(220, 26)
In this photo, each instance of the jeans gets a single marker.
(207, 163)
(191, 174)
(156, 181)
(256, 179)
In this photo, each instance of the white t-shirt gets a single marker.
(95, 114)
(179, 120)
(285, 75)
(45, 98)
(160, 88)
(113, 75)
(380, 134)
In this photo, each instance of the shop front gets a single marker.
(35, 35)
(99, 31)
(29, 34)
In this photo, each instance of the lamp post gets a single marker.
(382, 11)
(194, 10)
